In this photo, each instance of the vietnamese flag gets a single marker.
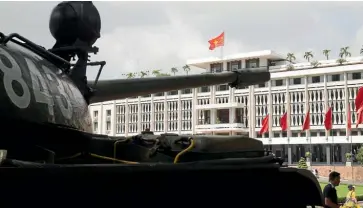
(360, 116)
(306, 124)
(265, 125)
(328, 122)
(359, 106)
(359, 99)
(216, 42)
(283, 122)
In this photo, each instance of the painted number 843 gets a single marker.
(39, 87)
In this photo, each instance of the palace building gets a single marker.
(221, 110)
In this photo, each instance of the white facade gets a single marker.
(223, 110)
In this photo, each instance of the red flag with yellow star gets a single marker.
(216, 42)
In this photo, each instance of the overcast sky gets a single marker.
(159, 35)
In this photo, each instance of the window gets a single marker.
(95, 126)
(253, 63)
(108, 120)
(216, 67)
(174, 92)
(276, 135)
(187, 91)
(233, 65)
(262, 85)
(335, 77)
(108, 125)
(239, 116)
(242, 87)
(222, 87)
(296, 81)
(315, 79)
(222, 116)
(207, 117)
(204, 89)
(95, 114)
(271, 62)
(159, 94)
(279, 82)
(356, 75)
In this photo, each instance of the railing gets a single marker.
(221, 126)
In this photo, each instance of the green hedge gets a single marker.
(342, 199)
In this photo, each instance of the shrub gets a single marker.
(302, 163)
(342, 199)
(359, 155)
(341, 61)
(315, 64)
(290, 67)
(307, 154)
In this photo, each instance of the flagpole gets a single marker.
(332, 137)
(351, 154)
(311, 153)
(224, 41)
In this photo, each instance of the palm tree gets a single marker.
(344, 52)
(143, 74)
(361, 50)
(308, 55)
(326, 53)
(290, 57)
(130, 75)
(156, 72)
(186, 68)
(174, 70)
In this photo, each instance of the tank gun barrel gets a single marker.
(122, 88)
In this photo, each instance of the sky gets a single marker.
(140, 36)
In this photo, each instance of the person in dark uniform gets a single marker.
(330, 193)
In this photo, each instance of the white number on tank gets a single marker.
(76, 94)
(66, 111)
(39, 81)
(13, 74)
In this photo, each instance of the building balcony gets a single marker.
(226, 127)
(220, 106)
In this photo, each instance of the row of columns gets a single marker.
(288, 107)
(251, 103)
(327, 149)
(166, 116)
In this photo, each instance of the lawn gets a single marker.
(342, 189)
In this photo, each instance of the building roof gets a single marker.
(205, 62)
